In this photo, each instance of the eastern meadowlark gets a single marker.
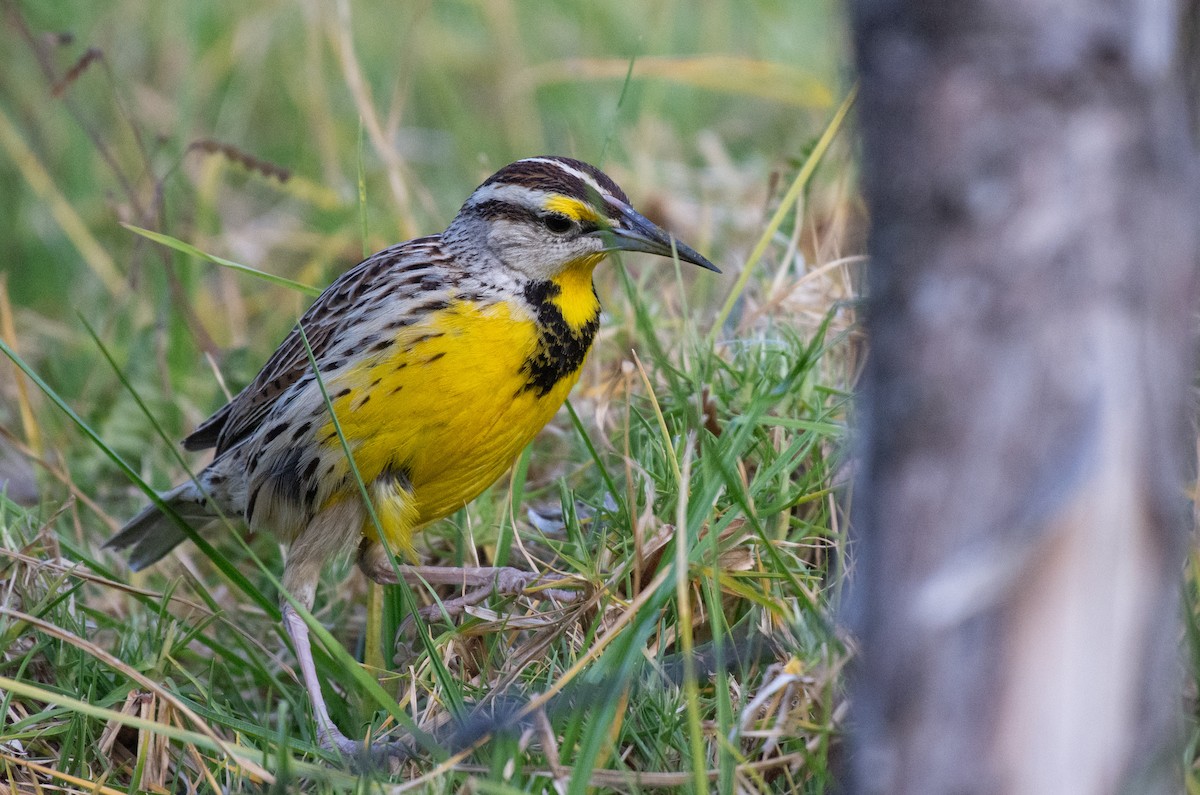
(442, 358)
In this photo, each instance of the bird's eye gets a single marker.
(558, 223)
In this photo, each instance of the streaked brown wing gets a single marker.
(240, 416)
(334, 311)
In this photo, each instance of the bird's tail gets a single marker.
(152, 534)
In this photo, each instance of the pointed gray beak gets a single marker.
(634, 232)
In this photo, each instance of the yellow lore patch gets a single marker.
(573, 209)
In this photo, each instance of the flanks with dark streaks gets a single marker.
(442, 357)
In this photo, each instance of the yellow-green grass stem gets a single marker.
(781, 212)
(8, 332)
(683, 604)
(373, 653)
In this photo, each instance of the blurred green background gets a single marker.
(459, 89)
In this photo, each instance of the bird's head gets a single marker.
(543, 216)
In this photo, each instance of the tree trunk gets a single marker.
(1020, 518)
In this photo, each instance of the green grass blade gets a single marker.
(192, 251)
(362, 193)
(612, 131)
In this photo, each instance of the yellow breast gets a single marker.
(447, 408)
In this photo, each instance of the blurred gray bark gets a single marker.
(1020, 521)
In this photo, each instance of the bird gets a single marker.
(441, 358)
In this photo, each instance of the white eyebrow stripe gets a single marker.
(585, 177)
(532, 198)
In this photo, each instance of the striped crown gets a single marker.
(561, 175)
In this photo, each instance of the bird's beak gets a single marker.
(634, 232)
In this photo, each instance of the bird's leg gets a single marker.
(300, 575)
(483, 580)
(329, 735)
